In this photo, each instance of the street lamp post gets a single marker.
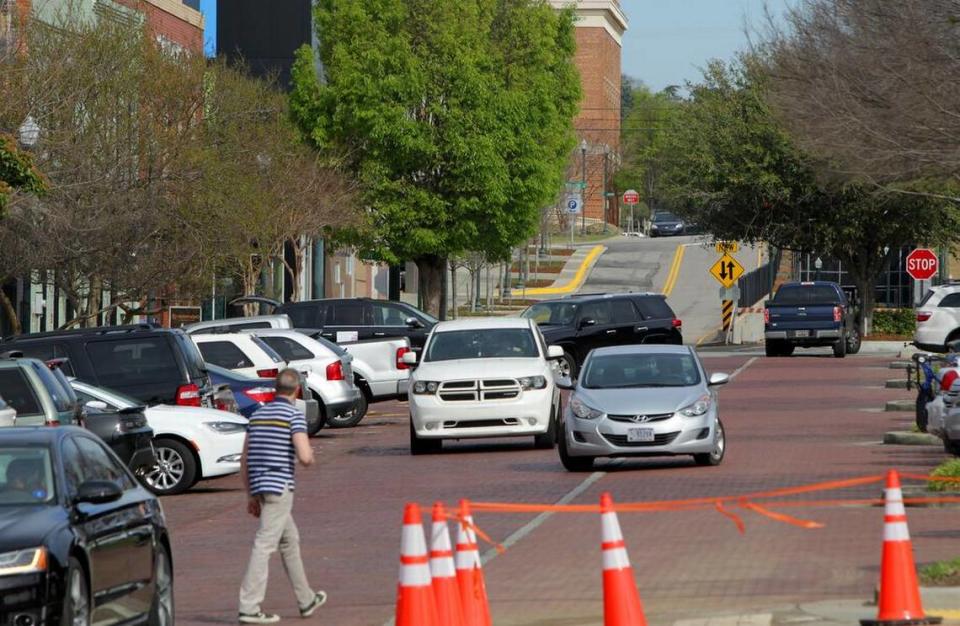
(583, 185)
(818, 264)
(606, 206)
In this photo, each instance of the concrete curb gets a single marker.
(881, 347)
(905, 438)
(896, 383)
(943, 601)
(572, 276)
(900, 365)
(899, 406)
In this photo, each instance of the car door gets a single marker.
(950, 308)
(119, 535)
(626, 320)
(345, 321)
(601, 332)
(389, 320)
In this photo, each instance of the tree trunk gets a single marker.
(11, 312)
(453, 289)
(430, 288)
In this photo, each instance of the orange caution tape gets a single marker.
(781, 517)
(733, 516)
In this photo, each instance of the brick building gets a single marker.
(600, 28)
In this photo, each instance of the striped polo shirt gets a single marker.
(270, 453)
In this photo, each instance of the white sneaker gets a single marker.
(258, 618)
(319, 599)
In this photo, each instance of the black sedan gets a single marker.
(81, 541)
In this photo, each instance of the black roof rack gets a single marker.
(99, 330)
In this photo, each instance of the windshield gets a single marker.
(26, 475)
(491, 343)
(415, 312)
(619, 371)
(665, 217)
(805, 295)
(552, 313)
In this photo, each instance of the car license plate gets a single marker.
(801, 333)
(639, 434)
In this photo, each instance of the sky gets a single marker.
(668, 40)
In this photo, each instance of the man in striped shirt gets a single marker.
(276, 439)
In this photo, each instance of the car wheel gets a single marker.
(76, 603)
(719, 449)
(547, 440)
(567, 365)
(420, 446)
(352, 418)
(161, 611)
(854, 341)
(175, 470)
(572, 463)
(772, 348)
(787, 349)
(840, 348)
(922, 417)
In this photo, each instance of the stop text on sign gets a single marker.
(922, 264)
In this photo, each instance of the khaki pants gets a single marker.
(277, 530)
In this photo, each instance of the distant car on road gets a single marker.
(938, 318)
(664, 224)
(483, 377)
(808, 315)
(582, 323)
(81, 541)
(642, 401)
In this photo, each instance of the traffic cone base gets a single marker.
(899, 602)
(621, 600)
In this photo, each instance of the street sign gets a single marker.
(574, 204)
(726, 270)
(728, 247)
(630, 196)
(730, 293)
(922, 264)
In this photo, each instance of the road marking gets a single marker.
(674, 269)
(760, 619)
(577, 280)
(740, 369)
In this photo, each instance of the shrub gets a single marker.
(894, 321)
(947, 469)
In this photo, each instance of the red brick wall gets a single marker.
(170, 26)
(598, 59)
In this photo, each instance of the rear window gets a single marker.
(274, 356)
(19, 393)
(805, 295)
(225, 354)
(59, 392)
(46, 352)
(655, 308)
(346, 314)
(143, 361)
(289, 349)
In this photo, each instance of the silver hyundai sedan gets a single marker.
(642, 400)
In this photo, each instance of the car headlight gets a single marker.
(583, 411)
(654, 226)
(23, 561)
(701, 406)
(226, 428)
(425, 387)
(532, 382)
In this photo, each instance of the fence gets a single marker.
(758, 283)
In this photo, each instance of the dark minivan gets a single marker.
(152, 364)
(584, 322)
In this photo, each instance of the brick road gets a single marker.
(789, 422)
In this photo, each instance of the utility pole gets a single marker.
(583, 186)
(606, 153)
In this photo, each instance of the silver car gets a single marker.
(642, 400)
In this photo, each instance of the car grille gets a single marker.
(659, 417)
(507, 421)
(479, 390)
(661, 439)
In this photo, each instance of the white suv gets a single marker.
(938, 318)
(483, 377)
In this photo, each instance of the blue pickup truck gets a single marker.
(809, 315)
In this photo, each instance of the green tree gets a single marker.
(731, 166)
(455, 115)
(17, 172)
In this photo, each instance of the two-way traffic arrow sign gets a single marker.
(727, 270)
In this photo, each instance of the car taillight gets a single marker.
(400, 364)
(53, 422)
(677, 323)
(188, 395)
(260, 394)
(837, 314)
(923, 316)
(268, 373)
(335, 371)
(766, 316)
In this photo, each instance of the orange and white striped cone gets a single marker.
(473, 591)
(415, 603)
(444, 572)
(899, 603)
(621, 600)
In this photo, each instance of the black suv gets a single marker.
(581, 323)
(354, 319)
(152, 364)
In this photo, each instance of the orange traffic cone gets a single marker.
(443, 571)
(621, 601)
(415, 602)
(899, 603)
(473, 591)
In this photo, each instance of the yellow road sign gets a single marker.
(726, 270)
(728, 247)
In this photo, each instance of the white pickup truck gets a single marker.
(378, 367)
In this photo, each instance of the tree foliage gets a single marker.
(455, 115)
(17, 172)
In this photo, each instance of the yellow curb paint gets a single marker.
(577, 280)
(945, 613)
(674, 270)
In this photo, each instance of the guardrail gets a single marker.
(758, 283)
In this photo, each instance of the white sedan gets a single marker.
(483, 377)
(191, 443)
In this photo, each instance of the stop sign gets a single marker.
(922, 264)
(631, 197)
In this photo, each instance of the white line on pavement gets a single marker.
(740, 369)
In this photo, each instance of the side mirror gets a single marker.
(413, 322)
(554, 352)
(565, 382)
(98, 492)
(589, 321)
(409, 358)
(98, 406)
(719, 379)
